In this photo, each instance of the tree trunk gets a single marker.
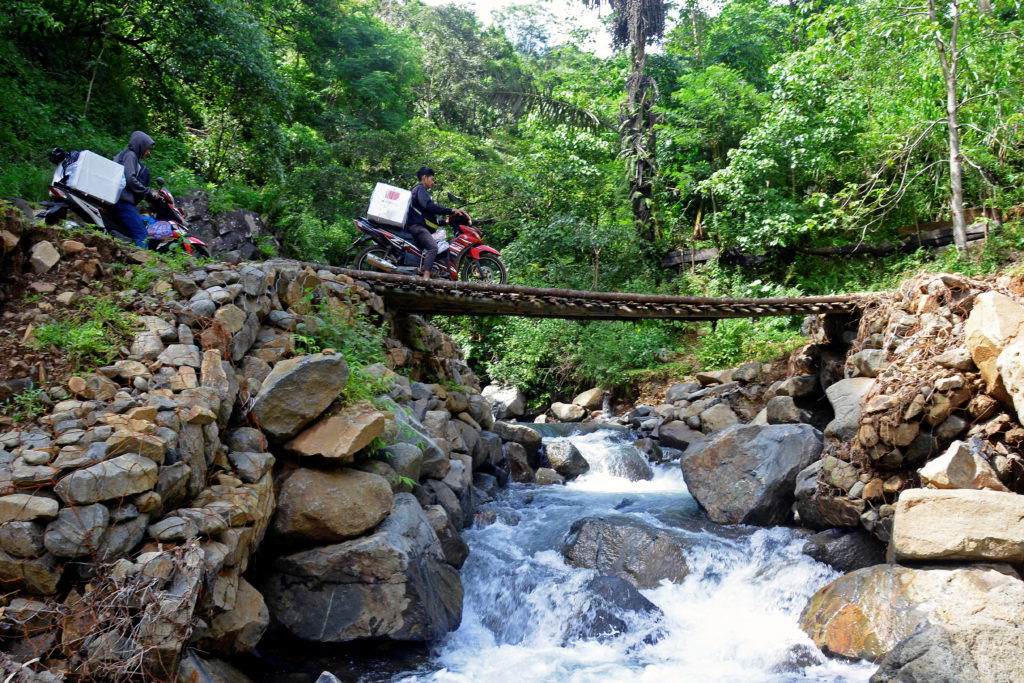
(948, 58)
(638, 142)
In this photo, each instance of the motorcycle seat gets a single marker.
(400, 232)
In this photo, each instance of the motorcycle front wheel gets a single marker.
(487, 270)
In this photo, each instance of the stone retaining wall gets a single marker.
(132, 511)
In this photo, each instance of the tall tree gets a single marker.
(635, 23)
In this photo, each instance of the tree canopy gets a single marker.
(754, 125)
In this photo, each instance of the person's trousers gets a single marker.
(427, 244)
(129, 216)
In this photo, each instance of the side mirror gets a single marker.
(160, 182)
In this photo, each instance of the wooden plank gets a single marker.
(680, 257)
(970, 216)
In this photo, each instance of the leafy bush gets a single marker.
(609, 351)
(347, 328)
(92, 335)
(142, 276)
(741, 340)
(25, 406)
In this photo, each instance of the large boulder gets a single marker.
(614, 605)
(24, 507)
(505, 401)
(819, 509)
(341, 435)
(591, 399)
(960, 467)
(568, 412)
(1010, 366)
(566, 459)
(331, 505)
(77, 530)
(118, 477)
(240, 628)
(746, 474)
(680, 391)
(864, 614)
(529, 439)
(628, 462)
(951, 654)
(868, 362)
(846, 396)
(677, 434)
(717, 417)
(845, 550)
(394, 584)
(959, 524)
(296, 391)
(784, 410)
(627, 548)
(994, 321)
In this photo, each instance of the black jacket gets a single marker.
(136, 175)
(423, 208)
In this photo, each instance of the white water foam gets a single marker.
(733, 619)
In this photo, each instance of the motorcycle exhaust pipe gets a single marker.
(381, 264)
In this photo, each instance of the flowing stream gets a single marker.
(734, 617)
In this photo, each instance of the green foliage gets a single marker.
(25, 406)
(347, 328)
(142, 276)
(740, 340)
(777, 125)
(92, 334)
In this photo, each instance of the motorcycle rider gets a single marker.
(423, 212)
(136, 187)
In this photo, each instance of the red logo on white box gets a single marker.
(392, 195)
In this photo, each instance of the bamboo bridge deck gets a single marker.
(415, 295)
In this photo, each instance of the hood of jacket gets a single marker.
(139, 142)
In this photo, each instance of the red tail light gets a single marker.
(55, 193)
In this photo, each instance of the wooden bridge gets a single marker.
(415, 295)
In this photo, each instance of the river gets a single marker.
(733, 618)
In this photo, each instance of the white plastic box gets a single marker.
(93, 175)
(389, 205)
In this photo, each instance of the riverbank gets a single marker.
(240, 454)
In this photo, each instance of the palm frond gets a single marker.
(520, 102)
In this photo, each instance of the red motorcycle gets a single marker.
(167, 227)
(393, 250)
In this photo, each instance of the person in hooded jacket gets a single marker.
(136, 186)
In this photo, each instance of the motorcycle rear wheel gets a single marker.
(200, 251)
(376, 250)
(487, 270)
